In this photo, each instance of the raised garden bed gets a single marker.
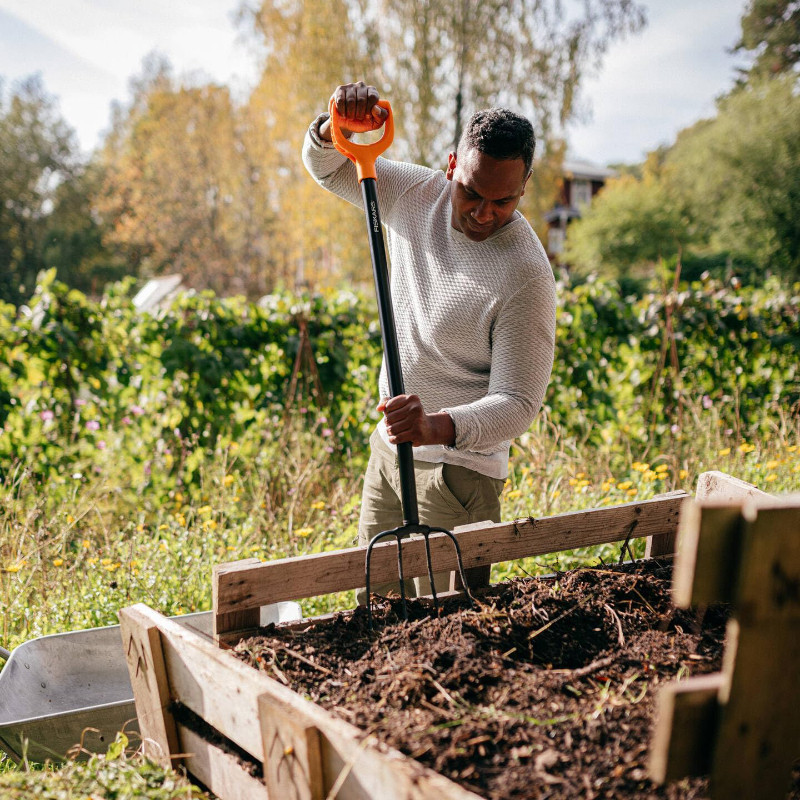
(544, 689)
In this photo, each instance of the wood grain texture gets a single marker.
(142, 643)
(244, 585)
(229, 694)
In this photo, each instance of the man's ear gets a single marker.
(451, 166)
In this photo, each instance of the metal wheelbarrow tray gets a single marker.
(73, 688)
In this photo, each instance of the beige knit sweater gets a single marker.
(475, 320)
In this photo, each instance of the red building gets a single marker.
(581, 182)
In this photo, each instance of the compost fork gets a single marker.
(364, 157)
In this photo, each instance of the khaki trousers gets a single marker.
(447, 496)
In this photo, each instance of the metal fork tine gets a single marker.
(400, 573)
(426, 531)
(427, 536)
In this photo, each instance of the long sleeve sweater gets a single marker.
(475, 321)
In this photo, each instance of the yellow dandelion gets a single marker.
(181, 520)
(624, 485)
(772, 464)
(255, 549)
(556, 493)
(236, 498)
(105, 561)
(70, 519)
(640, 466)
(86, 544)
(140, 528)
(304, 532)
(318, 506)
(178, 497)
(631, 492)
(14, 568)
(573, 481)
(162, 546)
(515, 493)
(726, 451)
(133, 563)
(771, 477)
(227, 480)
(163, 527)
(230, 548)
(93, 560)
(580, 475)
(683, 474)
(791, 447)
(662, 468)
(204, 510)
(113, 567)
(210, 525)
(746, 447)
(234, 445)
(650, 475)
(57, 562)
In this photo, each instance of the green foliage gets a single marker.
(113, 775)
(631, 222)
(36, 154)
(771, 34)
(739, 175)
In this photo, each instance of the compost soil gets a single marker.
(545, 689)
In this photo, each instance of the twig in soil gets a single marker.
(615, 617)
(552, 622)
(305, 660)
(582, 672)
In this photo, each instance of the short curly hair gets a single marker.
(501, 134)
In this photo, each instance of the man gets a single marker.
(474, 306)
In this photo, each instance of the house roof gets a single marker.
(575, 168)
(157, 291)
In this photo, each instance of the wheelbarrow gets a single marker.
(73, 688)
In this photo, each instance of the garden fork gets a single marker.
(364, 156)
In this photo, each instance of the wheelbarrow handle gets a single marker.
(362, 155)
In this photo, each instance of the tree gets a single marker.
(37, 155)
(308, 49)
(771, 34)
(175, 188)
(740, 174)
(631, 223)
(441, 60)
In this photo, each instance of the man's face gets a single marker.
(485, 192)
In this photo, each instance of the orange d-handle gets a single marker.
(362, 155)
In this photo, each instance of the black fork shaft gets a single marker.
(380, 271)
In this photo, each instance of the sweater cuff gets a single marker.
(313, 132)
(467, 432)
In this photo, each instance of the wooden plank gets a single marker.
(141, 641)
(240, 585)
(292, 752)
(687, 716)
(225, 692)
(662, 545)
(759, 731)
(235, 619)
(720, 487)
(769, 588)
(218, 771)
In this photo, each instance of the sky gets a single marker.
(649, 86)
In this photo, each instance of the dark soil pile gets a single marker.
(546, 689)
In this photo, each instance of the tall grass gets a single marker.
(74, 564)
